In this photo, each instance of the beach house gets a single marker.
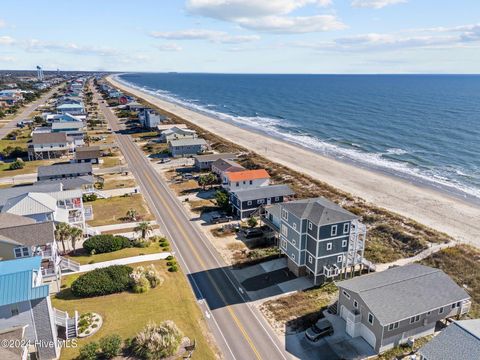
(26, 313)
(70, 175)
(223, 166)
(175, 133)
(320, 239)
(245, 179)
(187, 147)
(49, 146)
(150, 119)
(87, 154)
(73, 109)
(205, 162)
(459, 341)
(401, 304)
(246, 202)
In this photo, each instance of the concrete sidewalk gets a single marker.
(124, 261)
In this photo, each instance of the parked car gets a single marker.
(219, 219)
(252, 233)
(320, 329)
(164, 160)
(187, 176)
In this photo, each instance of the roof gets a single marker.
(67, 125)
(87, 152)
(187, 142)
(68, 194)
(69, 169)
(247, 175)
(49, 138)
(174, 130)
(30, 203)
(169, 126)
(15, 191)
(70, 106)
(30, 234)
(11, 334)
(16, 280)
(459, 341)
(8, 220)
(319, 211)
(214, 157)
(225, 165)
(70, 183)
(263, 192)
(402, 292)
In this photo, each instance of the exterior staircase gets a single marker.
(332, 309)
(70, 325)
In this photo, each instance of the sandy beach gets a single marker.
(440, 211)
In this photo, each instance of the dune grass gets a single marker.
(127, 313)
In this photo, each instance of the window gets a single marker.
(339, 258)
(284, 214)
(393, 326)
(284, 244)
(21, 252)
(329, 246)
(346, 227)
(370, 318)
(344, 243)
(249, 202)
(251, 182)
(440, 311)
(277, 198)
(294, 226)
(310, 259)
(310, 226)
(428, 313)
(414, 319)
(261, 201)
(293, 256)
(355, 304)
(453, 306)
(237, 184)
(14, 311)
(334, 230)
(284, 230)
(347, 295)
(294, 242)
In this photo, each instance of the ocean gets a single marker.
(422, 128)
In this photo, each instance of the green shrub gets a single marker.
(89, 351)
(16, 165)
(106, 243)
(102, 281)
(144, 278)
(89, 197)
(141, 243)
(173, 268)
(169, 257)
(157, 341)
(171, 263)
(164, 244)
(110, 345)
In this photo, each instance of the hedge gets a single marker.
(103, 281)
(100, 244)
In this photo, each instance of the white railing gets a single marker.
(61, 317)
(68, 264)
(331, 271)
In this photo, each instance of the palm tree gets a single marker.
(144, 228)
(75, 235)
(62, 233)
(132, 214)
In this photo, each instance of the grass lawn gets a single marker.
(120, 254)
(118, 183)
(300, 310)
(462, 264)
(185, 187)
(126, 313)
(114, 209)
(110, 161)
(29, 168)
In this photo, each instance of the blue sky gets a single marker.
(243, 36)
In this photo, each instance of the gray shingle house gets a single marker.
(187, 147)
(320, 238)
(400, 304)
(247, 201)
(204, 162)
(459, 341)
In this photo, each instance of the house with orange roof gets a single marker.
(246, 179)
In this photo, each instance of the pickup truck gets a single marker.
(219, 219)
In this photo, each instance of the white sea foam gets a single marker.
(271, 127)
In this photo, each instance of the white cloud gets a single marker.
(440, 37)
(297, 24)
(39, 46)
(7, 59)
(6, 40)
(169, 47)
(2, 24)
(269, 16)
(375, 4)
(202, 34)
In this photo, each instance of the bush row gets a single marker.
(106, 243)
(103, 281)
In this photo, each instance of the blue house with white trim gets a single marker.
(25, 308)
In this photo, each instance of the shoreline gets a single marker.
(430, 207)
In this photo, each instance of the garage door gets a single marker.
(368, 335)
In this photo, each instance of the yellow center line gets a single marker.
(195, 253)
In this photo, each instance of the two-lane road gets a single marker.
(239, 329)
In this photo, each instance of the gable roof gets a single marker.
(8, 220)
(176, 130)
(8, 193)
(69, 169)
(87, 152)
(402, 292)
(263, 192)
(70, 183)
(49, 138)
(30, 203)
(30, 234)
(459, 341)
(215, 157)
(66, 125)
(319, 211)
(70, 106)
(11, 334)
(16, 280)
(247, 175)
(225, 165)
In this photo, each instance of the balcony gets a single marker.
(465, 307)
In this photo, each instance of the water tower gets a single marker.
(39, 73)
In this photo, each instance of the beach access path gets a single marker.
(438, 210)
